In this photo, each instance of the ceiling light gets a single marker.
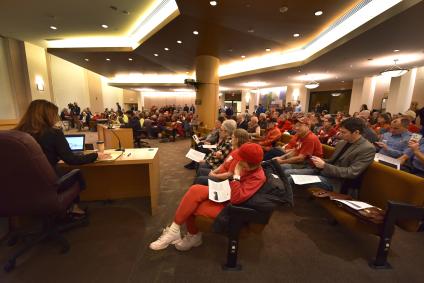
(396, 50)
(86, 59)
(53, 27)
(179, 41)
(394, 71)
(213, 3)
(312, 85)
(130, 59)
(283, 9)
(296, 35)
(107, 59)
(268, 49)
(166, 49)
(187, 73)
(251, 30)
(195, 32)
(105, 26)
(255, 84)
(318, 13)
(336, 94)
(242, 56)
(156, 55)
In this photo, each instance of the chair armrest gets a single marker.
(70, 179)
(245, 214)
(400, 211)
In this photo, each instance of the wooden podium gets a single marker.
(110, 139)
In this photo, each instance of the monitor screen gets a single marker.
(76, 143)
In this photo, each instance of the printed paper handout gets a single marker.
(305, 179)
(196, 139)
(219, 191)
(209, 146)
(356, 205)
(387, 160)
(195, 155)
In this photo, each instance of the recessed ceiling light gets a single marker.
(230, 50)
(187, 73)
(299, 71)
(296, 35)
(195, 32)
(86, 59)
(268, 49)
(107, 59)
(105, 26)
(179, 41)
(251, 30)
(283, 9)
(166, 49)
(130, 59)
(318, 13)
(342, 81)
(396, 50)
(242, 56)
(156, 55)
(53, 27)
(213, 3)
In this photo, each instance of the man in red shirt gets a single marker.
(301, 147)
(273, 134)
(284, 124)
(327, 131)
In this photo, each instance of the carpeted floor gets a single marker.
(297, 245)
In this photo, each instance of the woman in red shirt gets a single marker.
(226, 169)
(248, 179)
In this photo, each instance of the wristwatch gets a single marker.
(236, 178)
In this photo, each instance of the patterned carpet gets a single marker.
(297, 245)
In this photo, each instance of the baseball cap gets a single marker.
(252, 153)
(410, 113)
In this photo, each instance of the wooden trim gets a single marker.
(8, 124)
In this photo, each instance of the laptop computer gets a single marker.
(76, 143)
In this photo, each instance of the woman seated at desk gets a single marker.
(39, 121)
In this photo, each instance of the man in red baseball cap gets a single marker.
(248, 178)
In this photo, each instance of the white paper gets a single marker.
(356, 205)
(388, 159)
(196, 139)
(113, 156)
(195, 155)
(209, 146)
(305, 179)
(219, 191)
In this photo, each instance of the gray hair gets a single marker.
(229, 126)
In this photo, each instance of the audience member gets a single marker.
(395, 142)
(413, 158)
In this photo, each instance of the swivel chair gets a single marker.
(31, 188)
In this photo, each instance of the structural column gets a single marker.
(401, 90)
(363, 91)
(208, 91)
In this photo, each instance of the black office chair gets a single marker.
(30, 187)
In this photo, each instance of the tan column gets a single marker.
(207, 93)
(401, 90)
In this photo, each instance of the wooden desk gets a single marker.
(106, 135)
(131, 176)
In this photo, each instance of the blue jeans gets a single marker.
(273, 152)
(324, 184)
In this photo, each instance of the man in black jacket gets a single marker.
(134, 124)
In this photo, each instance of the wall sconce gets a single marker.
(39, 82)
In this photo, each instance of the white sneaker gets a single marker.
(189, 241)
(168, 237)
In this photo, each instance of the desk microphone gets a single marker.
(120, 148)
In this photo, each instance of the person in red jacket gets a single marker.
(272, 135)
(248, 178)
(284, 124)
(327, 131)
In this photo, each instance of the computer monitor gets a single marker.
(76, 142)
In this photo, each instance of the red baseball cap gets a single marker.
(252, 153)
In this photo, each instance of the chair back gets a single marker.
(28, 181)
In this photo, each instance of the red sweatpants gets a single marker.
(196, 202)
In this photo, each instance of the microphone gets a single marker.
(120, 148)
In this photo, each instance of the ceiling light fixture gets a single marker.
(107, 59)
(250, 30)
(156, 55)
(296, 35)
(195, 32)
(86, 59)
(283, 9)
(336, 94)
(53, 27)
(166, 49)
(105, 26)
(242, 56)
(179, 41)
(312, 85)
(213, 3)
(396, 50)
(130, 59)
(318, 13)
(268, 49)
(394, 71)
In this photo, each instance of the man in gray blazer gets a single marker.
(349, 160)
